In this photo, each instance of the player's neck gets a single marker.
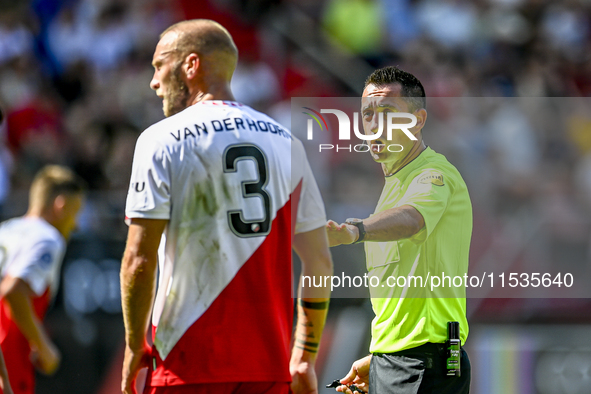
(46, 215)
(40, 214)
(219, 91)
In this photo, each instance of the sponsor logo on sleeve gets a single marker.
(436, 178)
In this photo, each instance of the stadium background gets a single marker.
(74, 80)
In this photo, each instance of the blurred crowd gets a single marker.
(74, 86)
(74, 90)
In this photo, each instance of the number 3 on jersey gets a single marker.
(251, 188)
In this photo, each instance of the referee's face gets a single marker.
(377, 102)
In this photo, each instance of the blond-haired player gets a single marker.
(31, 252)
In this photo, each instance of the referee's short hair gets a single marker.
(411, 86)
(52, 181)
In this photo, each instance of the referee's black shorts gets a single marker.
(420, 370)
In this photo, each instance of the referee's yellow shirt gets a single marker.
(410, 313)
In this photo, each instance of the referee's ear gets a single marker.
(421, 115)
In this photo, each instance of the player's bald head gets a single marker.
(208, 39)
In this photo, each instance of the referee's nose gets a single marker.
(374, 124)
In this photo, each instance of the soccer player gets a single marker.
(4, 382)
(31, 252)
(229, 188)
(422, 226)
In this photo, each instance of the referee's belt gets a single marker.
(429, 351)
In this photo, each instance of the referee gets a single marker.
(421, 227)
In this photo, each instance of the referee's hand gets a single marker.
(341, 234)
(358, 375)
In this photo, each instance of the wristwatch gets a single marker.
(359, 224)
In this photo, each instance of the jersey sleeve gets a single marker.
(149, 190)
(35, 265)
(310, 211)
(429, 193)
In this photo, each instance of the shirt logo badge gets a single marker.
(138, 186)
(45, 259)
(435, 178)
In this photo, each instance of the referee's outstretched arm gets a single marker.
(390, 225)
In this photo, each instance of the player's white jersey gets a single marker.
(31, 249)
(220, 172)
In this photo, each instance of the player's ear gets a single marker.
(59, 203)
(191, 65)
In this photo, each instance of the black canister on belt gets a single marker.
(453, 349)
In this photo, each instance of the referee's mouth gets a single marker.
(377, 145)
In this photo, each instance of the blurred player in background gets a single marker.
(31, 251)
(4, 381)
(5, 163)
(422, 226)
(228, 187)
